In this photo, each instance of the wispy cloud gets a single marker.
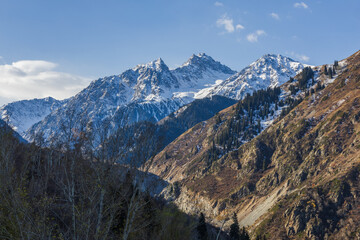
(239, 27)
(301, 5)
(36, 79)
(303, 58)
(253, 37)
(300, 57)
(228, 24)
(275, 16)
(218, 4)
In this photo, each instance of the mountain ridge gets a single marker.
(150, 92)
(295, 179)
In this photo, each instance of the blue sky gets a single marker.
(78, 41)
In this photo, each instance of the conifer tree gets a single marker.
(244, 235)
(259, 125)
(325, 70)
(330, 73)
(234, 229)
(334, 72)
(201, 228)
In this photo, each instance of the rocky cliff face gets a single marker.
(296, 179)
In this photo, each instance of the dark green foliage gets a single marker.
(244, 235)
(336, 63)
(259, 237)
(319, 87)
(306, 74)
(217, 118)
(325, 70)
(330, 72)
(201, 228)
(235, 232)
(234, 228)
(293, 89)
(334, 72)
(139, 142)
(258, 126)
(247, 117)
(291, 104)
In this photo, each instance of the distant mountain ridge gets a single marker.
(147, 92)
(270, 70)
(21, 115)
(150, 92)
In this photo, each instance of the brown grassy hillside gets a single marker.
(298, 179)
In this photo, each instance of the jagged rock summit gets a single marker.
(146, 92)
(268, 71)
(150, 92)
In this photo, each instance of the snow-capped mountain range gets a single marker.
(21, 115)
(268, 71)
(151, 92)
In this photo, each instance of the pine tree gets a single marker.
(258, 125)
(330, 73)
(244, 235)
(201, 228)
(259, 237)
(334, 72)
(325, 70)
(234, 229)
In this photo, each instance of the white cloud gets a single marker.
(37, 79)
(301, 5)
(300, 57)
(239, 27)
(228, 24)
(218, 4)
(275, 16)
(303, 58)
(253, 37)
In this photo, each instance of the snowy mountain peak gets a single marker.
(49, 99)
(268, 71)
(199, 57)
(202, 61)
(274, 60)
(21, 115)
(157, 65)
(151, 91)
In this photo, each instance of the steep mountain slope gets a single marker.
(147, 92)
(138, 142)
(268, 71)
(151, 92)
(298, 178)
(5, 129)
(21, 115)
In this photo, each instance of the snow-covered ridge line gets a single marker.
(152, 91)
(21, 115)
